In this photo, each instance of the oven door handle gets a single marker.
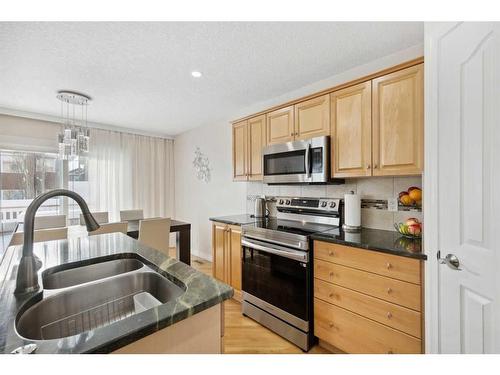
(276, 250)
(307, 160)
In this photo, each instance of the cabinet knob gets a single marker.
(388, 266)
(331, 253)
(331, 295)
(390, 352)
(332, 325)
(368, 166)
(389, 315)
(389, 290)
(375, 166)
(331, 274)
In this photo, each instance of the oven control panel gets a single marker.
(322, 204)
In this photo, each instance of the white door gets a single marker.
(463, 156)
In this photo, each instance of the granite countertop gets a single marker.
(236, 219)
(200, 293)
(385, 241)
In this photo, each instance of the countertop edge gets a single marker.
(369, 247)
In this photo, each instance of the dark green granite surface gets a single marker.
(236, 219)
(385, 241)
(201, 292)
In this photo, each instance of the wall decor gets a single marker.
(201, 165)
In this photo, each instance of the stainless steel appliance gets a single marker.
(277, 266)
(260, 207)
(305, 161)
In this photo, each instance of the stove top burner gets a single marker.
(290, 226)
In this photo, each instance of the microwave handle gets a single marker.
(291, 254)
(307, 160)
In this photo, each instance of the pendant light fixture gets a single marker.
(75, 137)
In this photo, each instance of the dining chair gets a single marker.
(41, 235)
(102, 217)
(127, 215)
(50, 221)
(111, 228)
(155, 233)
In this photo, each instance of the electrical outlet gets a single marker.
(392, 204)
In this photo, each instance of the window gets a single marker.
(23, 176)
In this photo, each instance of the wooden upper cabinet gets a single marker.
(280, 128)
(351, 151)
(398, 119)
(256, 140)
(240, 151)
(312, 118)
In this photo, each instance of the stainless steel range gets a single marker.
(277, 265)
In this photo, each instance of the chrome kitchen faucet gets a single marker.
(27, 276)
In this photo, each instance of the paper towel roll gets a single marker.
(352, 210)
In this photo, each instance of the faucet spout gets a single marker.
(27, 276)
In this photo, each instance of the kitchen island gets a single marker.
(168, 324)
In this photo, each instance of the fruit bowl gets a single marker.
(406, 231)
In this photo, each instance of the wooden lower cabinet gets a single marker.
(226, 255)
(201, 333)
(359, 311)
(354, 333)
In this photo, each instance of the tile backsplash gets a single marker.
(368, 188)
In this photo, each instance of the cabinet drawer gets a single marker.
(395, 291)
(353, 333)
(394, 266)
(395, 316)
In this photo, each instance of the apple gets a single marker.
(415, 229)
(412, 221)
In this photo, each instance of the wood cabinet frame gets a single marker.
(342, 121)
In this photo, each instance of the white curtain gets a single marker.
(128, 171)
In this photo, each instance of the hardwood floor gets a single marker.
(243, 335)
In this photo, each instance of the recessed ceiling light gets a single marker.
(196, 74)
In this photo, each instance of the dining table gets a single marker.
(182, 230)
(183, 237)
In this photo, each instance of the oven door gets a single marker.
(277, 275)
(297, 162)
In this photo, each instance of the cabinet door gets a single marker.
(352, 131)
(312, 118)
(235, 257)
(256, 140)
(218, 250)
(279, 127)
(240, 140)
(398, 119)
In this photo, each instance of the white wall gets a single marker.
(197, 201)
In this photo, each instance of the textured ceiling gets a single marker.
(138, 74)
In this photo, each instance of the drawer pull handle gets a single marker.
(389, 290)
(388, 266)
(331, 253)
(389, 315)
(333, 326)
(390, 352)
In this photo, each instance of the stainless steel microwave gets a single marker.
(305, 161)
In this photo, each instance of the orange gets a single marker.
(415, 194)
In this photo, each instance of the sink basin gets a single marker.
(75, 274)
(89, 306)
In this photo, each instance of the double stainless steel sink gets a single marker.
(82, 296)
